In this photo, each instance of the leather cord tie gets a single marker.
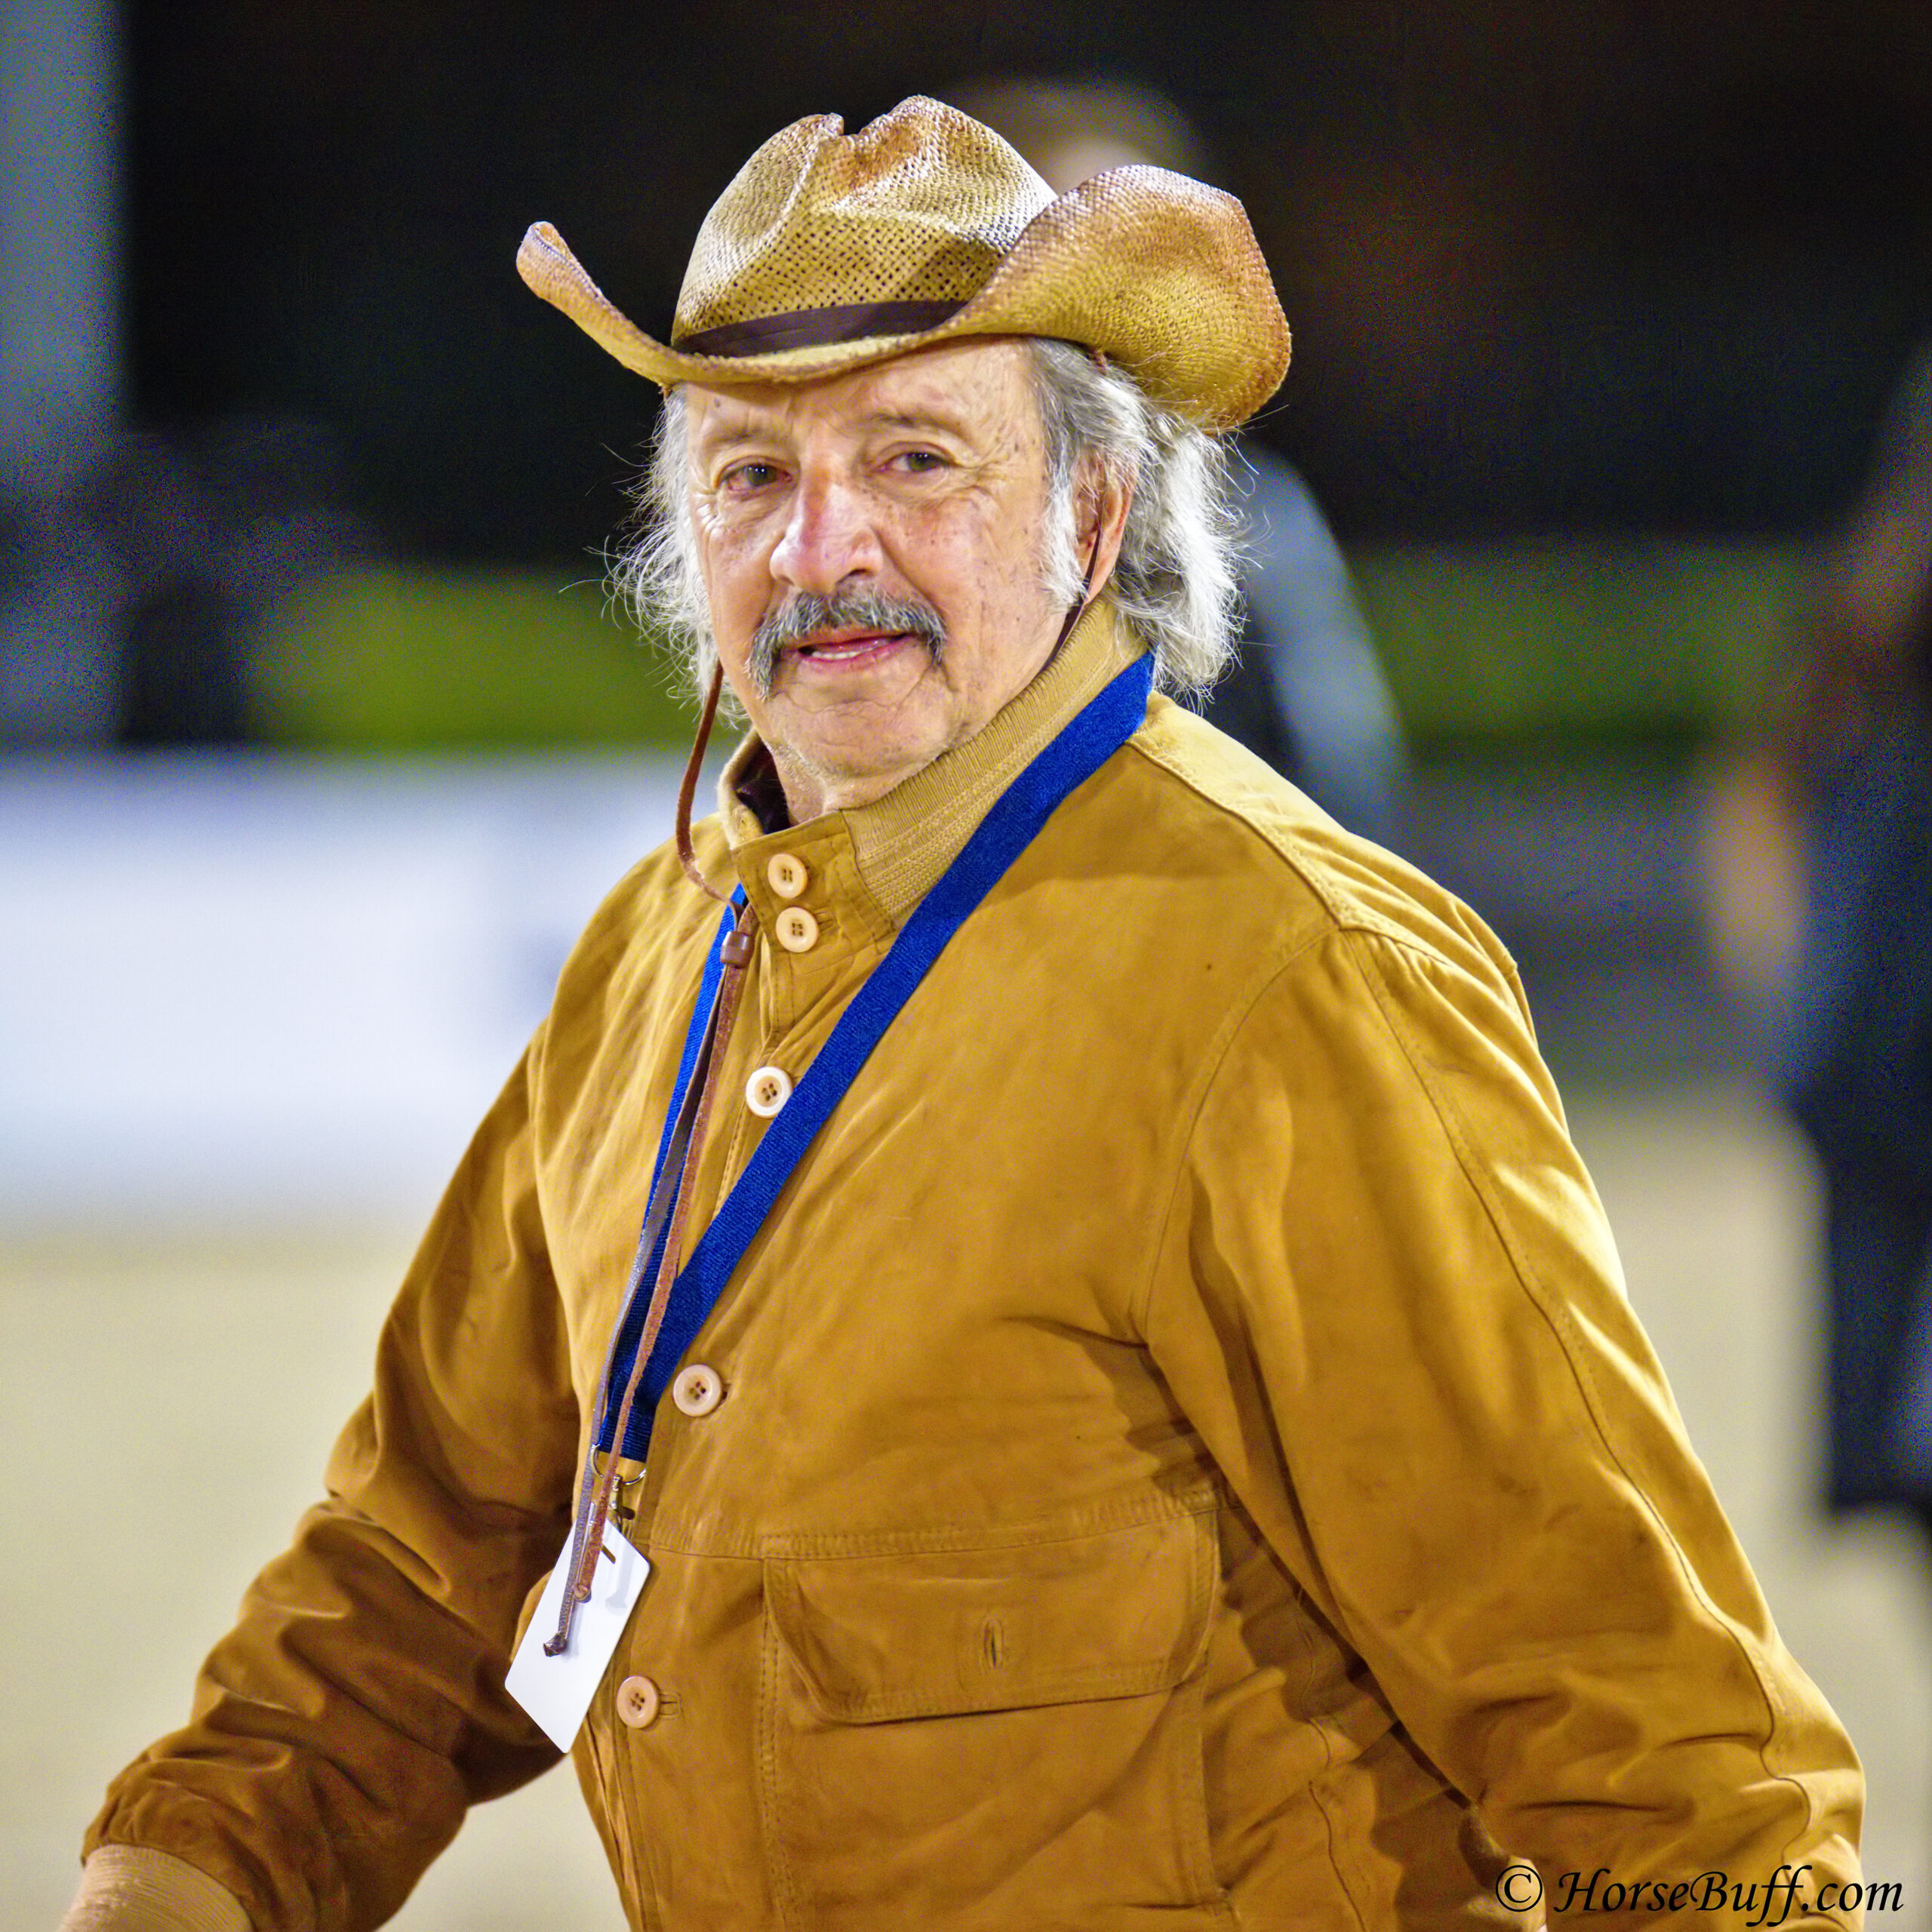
(688, 788)
(594, 1492)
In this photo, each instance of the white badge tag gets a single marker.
(557, 1691)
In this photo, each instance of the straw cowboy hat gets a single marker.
(829, 251)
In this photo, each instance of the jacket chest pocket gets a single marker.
(994, 1737)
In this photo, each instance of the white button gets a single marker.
(697, 1390)
(797, 930)
(767, 1090)
(638, 1701)
(787, 873)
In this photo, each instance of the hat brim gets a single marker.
(1160, 273)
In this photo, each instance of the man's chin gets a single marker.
(851, 752)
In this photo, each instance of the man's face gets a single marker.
(871, 545)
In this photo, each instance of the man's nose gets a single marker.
(828, 537)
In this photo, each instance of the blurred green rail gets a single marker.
(1568, 645)
(401, 658)
(1579, 645)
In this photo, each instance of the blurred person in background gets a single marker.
(1858, 1058)
(1142, 1419)
(174, 550)
(1305, 691)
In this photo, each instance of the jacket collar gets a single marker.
(901, 843)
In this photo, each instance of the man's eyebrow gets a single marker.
(731, 437)
(728, 436)
(933, 422)
(912, 418)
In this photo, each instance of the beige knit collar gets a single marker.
(902, 842)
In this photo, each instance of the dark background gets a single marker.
(1613, 268)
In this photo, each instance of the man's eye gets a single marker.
(742, 477)
(921, 463)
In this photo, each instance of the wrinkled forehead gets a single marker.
(980, 390)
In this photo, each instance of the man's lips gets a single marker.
(848, 647)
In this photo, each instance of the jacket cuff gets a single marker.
(134, 1888)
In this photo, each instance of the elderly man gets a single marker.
(1142, 1425)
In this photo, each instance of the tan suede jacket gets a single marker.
(1183, 1441)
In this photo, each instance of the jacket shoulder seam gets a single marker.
(1344, 915)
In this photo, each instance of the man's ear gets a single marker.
(1105, 495)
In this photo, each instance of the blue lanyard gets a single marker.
(1085, 744)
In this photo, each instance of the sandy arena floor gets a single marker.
(169, 1399)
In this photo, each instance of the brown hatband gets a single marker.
(811, 328)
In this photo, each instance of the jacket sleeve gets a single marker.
(1387, 1298)
(339, 1731)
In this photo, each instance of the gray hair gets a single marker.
(1174, 583)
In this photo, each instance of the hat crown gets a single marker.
(829, 252)
(921, 205)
